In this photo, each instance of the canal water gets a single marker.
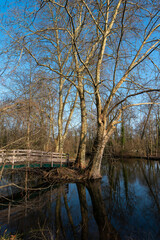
(125, 204)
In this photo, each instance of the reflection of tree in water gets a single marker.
(58, 221)
(106, 230)
(84, 210)
(151, 176)
(120, 207)
(133, 197)
(15, 180)
(119, 193)
(45, 218)
(127, 195)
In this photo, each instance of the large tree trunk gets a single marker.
(102, 138)
(80, 160)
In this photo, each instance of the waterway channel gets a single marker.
(125, 204)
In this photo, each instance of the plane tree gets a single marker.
(122, 40)
(106, 51)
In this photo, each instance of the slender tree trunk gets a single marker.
(49, 134)
(145, 124)
(59, 142)
(158, 137)
(28, 125)
(28, 133)
(59, 148)
(28, 117)
(60, 117)
(51, 124)
(122, 133)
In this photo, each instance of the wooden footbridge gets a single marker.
(19, 158)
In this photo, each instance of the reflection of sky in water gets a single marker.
(136, 215)
(7, 190)
(140, 218)
(131, 205)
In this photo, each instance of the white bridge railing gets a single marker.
(32, 156)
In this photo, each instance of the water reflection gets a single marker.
(124, 205)
(133, 198)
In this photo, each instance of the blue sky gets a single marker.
(10, 4)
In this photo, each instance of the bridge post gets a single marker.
(61, 159)
(3, 158)
(51, 159)
(13, 158)
(52, 163)
(67, 155)
(28, 157)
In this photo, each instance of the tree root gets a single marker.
(61, 174)
(65, 174)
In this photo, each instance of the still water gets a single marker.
(125, 204)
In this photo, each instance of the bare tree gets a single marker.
(123, 46)
(50, 54)
(106, 51)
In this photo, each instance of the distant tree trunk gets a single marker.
(122, 133)
(150, 138)
(29, 114)
(28, 130)
(59, 147)
(145, 124)
(51, 130)
(59, 142)
(158, 136)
